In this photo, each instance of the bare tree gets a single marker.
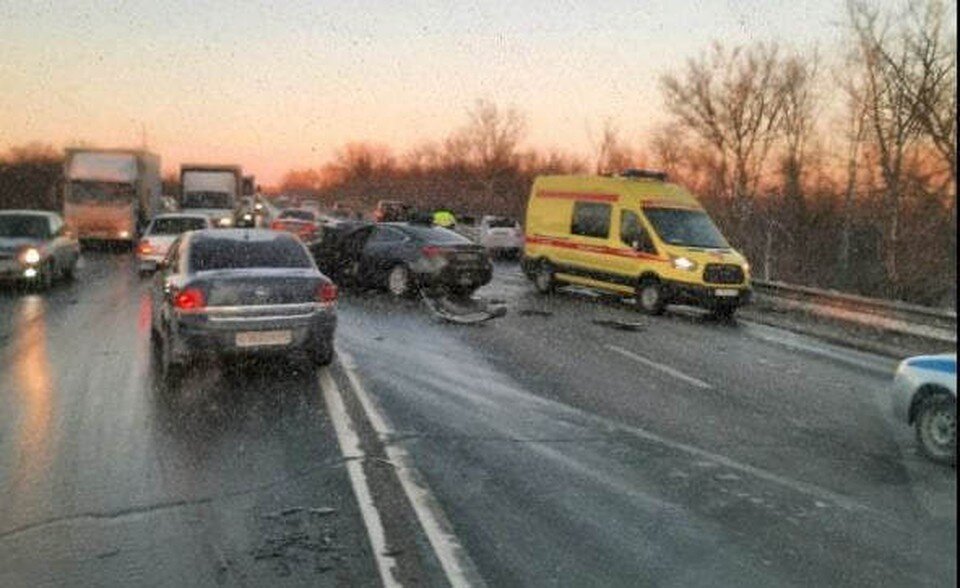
(491, 136)
(850, 81)
(668, 148)
(893, 114)
(363, 160)
(798, 78)
(731, 101)
(612, 154)
(927, 74)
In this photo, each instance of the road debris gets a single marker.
(322, 511)
(461, 310)
(534, 312)
(107, 554)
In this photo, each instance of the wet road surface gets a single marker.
(562, 451)
(105, 480)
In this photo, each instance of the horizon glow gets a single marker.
(280, 85)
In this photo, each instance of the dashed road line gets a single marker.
(660, 367)
(456, 563)
(354, 455)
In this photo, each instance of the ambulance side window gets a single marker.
(591, 219)
(633, 233)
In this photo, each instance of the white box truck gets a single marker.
(213, 190)
(110, 194)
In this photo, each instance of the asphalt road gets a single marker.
(105, 480)
(562, 451)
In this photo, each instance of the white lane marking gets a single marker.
(880, 365)
(661, 367)
(350, 448)
(456, 563)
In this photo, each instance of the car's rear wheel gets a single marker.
(171, 370)
(936, 427)
(323, 354)
(650, 296)
(543, 277)
(398, 281)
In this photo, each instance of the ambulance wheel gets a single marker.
(543, 279)
(650, 296)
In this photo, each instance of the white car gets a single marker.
(501, 235)
(925, 396)
(162, 231)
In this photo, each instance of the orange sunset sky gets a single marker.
(276, 85)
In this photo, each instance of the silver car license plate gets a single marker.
(264, 338)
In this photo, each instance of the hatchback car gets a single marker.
(403, 257)
(925, 396)
(501, 235)
(162, 231)
(36, 247)
(240, 292)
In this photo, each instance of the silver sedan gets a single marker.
(234, 293)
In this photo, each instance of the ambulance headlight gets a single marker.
(683, 263)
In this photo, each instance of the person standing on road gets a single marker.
(442, 217)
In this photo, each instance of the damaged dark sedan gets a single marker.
(402, 258)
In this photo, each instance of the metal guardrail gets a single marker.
(888, 315)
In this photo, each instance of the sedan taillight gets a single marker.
(432, 251)
(189, 299)
(144, 247)
(327, 293)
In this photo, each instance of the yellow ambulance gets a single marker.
(634, 234)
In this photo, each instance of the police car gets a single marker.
(925, 396)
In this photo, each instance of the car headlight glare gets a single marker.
(225, 222)
(683, 263)
(31, 256)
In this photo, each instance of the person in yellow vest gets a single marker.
(444, 218)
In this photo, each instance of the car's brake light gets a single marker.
(189, 299)
(432, 251)
(276, 225)
(144, 247)
(327, 293)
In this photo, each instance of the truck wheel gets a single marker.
(650, 297)
(543, 279)
(398, 281)
(936, 427)
(45, 276)
(70, 270)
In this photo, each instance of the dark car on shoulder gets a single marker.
(402, 257)
(235, 293)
